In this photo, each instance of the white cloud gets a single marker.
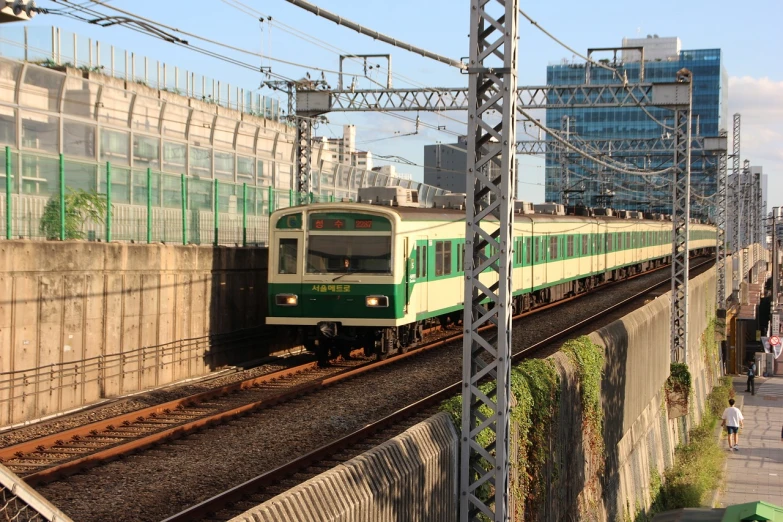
(759, 102)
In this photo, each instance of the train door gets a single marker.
(410, 271)
(419, 302)
(286, 279)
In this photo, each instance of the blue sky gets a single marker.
(749, 35)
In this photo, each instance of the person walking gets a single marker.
(732, 419)
(751, 378)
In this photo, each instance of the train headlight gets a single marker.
(376, 301)
(286, 300)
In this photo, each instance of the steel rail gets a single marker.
(117, 449)
(272, 477)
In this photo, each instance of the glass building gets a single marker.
(568, 174)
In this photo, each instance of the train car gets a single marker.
(351, 275)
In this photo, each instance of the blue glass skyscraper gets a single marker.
(600, 186)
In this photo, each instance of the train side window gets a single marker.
(528, 251)
(439, 258)
(570, 246)
(424, 254)
(418, 262)
(446, 257)
(585, 244)
(286, 261)
(609, 243)
(553, 247)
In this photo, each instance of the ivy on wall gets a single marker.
(535, 386)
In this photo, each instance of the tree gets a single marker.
(80, 206)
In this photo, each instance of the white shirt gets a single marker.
(732, 416)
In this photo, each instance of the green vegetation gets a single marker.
(709, 349)
(698, 467)
(679, 380)
(589, 361)
(536, 392)
(80, 206)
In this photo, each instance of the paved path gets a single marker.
(755, 472)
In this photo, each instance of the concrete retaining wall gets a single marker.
(413, 477)
(392, 481)
(81, 321)
(639, 436)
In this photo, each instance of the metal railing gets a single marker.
(21, 503)
(133, 205)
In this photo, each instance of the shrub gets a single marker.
(80, 206)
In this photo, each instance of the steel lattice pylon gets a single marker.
(720, 255)
(736, 202)
(304, 148)
(680, 216)
(563, 153)
(489, 219)
(745, 206)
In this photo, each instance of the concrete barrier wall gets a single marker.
(639, 436)
(582, 483)
(413, 477)
(81, 321)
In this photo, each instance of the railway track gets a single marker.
(253, 492)
(58, 455)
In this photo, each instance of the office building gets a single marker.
(596, 185)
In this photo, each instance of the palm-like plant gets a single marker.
(80, 206)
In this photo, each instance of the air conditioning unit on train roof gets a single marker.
(603, 212)
(389, 196)
(523, 207)
(635, 214)
(623, 214)
(454, 201)
(555, 209)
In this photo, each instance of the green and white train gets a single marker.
(350, 275)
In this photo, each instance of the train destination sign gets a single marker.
(335, 222)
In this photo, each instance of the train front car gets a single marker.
(333, 276)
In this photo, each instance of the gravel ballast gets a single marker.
(161, 482)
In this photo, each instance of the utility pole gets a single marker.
(492, 73)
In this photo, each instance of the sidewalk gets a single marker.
(755, 472)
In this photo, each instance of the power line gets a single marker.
(375, 34)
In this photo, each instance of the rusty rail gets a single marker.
(275, 476)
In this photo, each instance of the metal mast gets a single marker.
(735, 214)
(564, 181)
(304, 149)
(680, 215)
(492, 91)
(745, 199)
(719, 146)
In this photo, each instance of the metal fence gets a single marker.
(21, 503)
(121, 204)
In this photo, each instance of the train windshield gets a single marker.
(344, 254)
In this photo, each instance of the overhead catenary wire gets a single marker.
(582, 153)
(323, 13)
(301, 3)
(249, 10)
(203, 50)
